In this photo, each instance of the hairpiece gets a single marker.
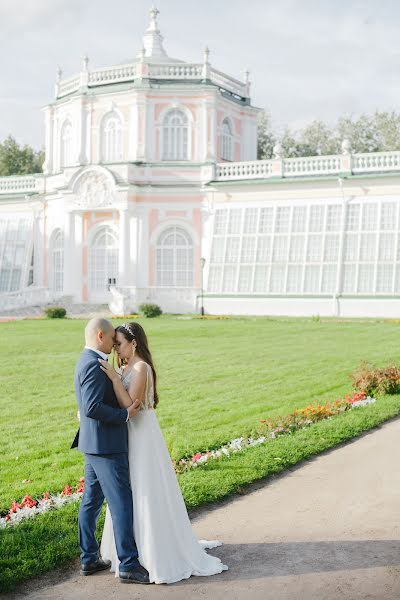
(128, 328)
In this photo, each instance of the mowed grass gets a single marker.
(217, 379)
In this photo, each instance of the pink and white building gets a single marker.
(151, 191)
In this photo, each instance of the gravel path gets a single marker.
(327, 530)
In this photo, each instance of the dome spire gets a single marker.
(152, 39)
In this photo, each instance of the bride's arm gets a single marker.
(136, 389)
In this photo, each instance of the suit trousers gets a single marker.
(107, 476)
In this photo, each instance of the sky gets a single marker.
(308, 59)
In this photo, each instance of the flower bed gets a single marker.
(269, 430)
(29, 507)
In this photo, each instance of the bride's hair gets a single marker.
(134, 331)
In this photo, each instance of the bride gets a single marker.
(167, 546)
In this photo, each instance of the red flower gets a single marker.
(14, 506)
(7, 517)
(196, 456)
(28, 502)
(46, 496)
(67, 491)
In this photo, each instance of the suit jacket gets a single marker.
(103, 428)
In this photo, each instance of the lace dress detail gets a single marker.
(164, 537)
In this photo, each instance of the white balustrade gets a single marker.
(228, 83)
(311, 165)
(67, 86)
(375, 161)
(255, 169)
(18, 184)
(112, 75)
(176, 71)
(24, 298)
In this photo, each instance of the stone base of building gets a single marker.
(378, 307)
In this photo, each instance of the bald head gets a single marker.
(99, 334)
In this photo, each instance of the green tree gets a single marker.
(318, 139)
(378, 132)
(265, 138)
(19, 160)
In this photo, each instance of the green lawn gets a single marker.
(217, 380)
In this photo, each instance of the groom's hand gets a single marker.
(134, 408)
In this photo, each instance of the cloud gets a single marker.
(308, 58)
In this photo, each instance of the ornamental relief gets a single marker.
(94, 190)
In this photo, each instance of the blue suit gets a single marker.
(103, 438)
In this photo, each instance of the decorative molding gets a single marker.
(94, 190)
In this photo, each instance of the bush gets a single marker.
(372, 381)
(150, 310)
(55, 312)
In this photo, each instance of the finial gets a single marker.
(142, 55)
(85, 63)
(206, 55)
(153, 40)
(346, 146)
(278, 150)
(247, 76)
(59, 74)
(154, 12)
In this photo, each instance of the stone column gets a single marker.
(124, 275)
(82, 133)
(49, 120)
(69, 253)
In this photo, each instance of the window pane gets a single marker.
(235, 220)
(299, 219)
(261, 279)
(311, 281)
(295, 279)
(282, 219)
(266, 220)
(316, 218)
(297, 244)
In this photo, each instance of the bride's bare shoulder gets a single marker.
(140, 366)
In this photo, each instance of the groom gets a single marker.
(103, 437)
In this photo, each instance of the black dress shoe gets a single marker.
(138, 575)
(94, 567)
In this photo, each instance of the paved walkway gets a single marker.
(327, 530)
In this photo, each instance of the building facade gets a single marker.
(151, 191)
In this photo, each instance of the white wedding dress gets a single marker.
(167, 546)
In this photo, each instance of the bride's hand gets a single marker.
(108, 370)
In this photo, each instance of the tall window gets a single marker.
(57, 261)
(174, 258)
(103, 260)
(227, 141)
(175, 136)
(66, 145)
(111, 138)
(15, 253)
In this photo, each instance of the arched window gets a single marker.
(174, 258)
(57, 261)
(175, 136)
(111, 138)
(103, 260)
(66, 145)
(227, 141)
